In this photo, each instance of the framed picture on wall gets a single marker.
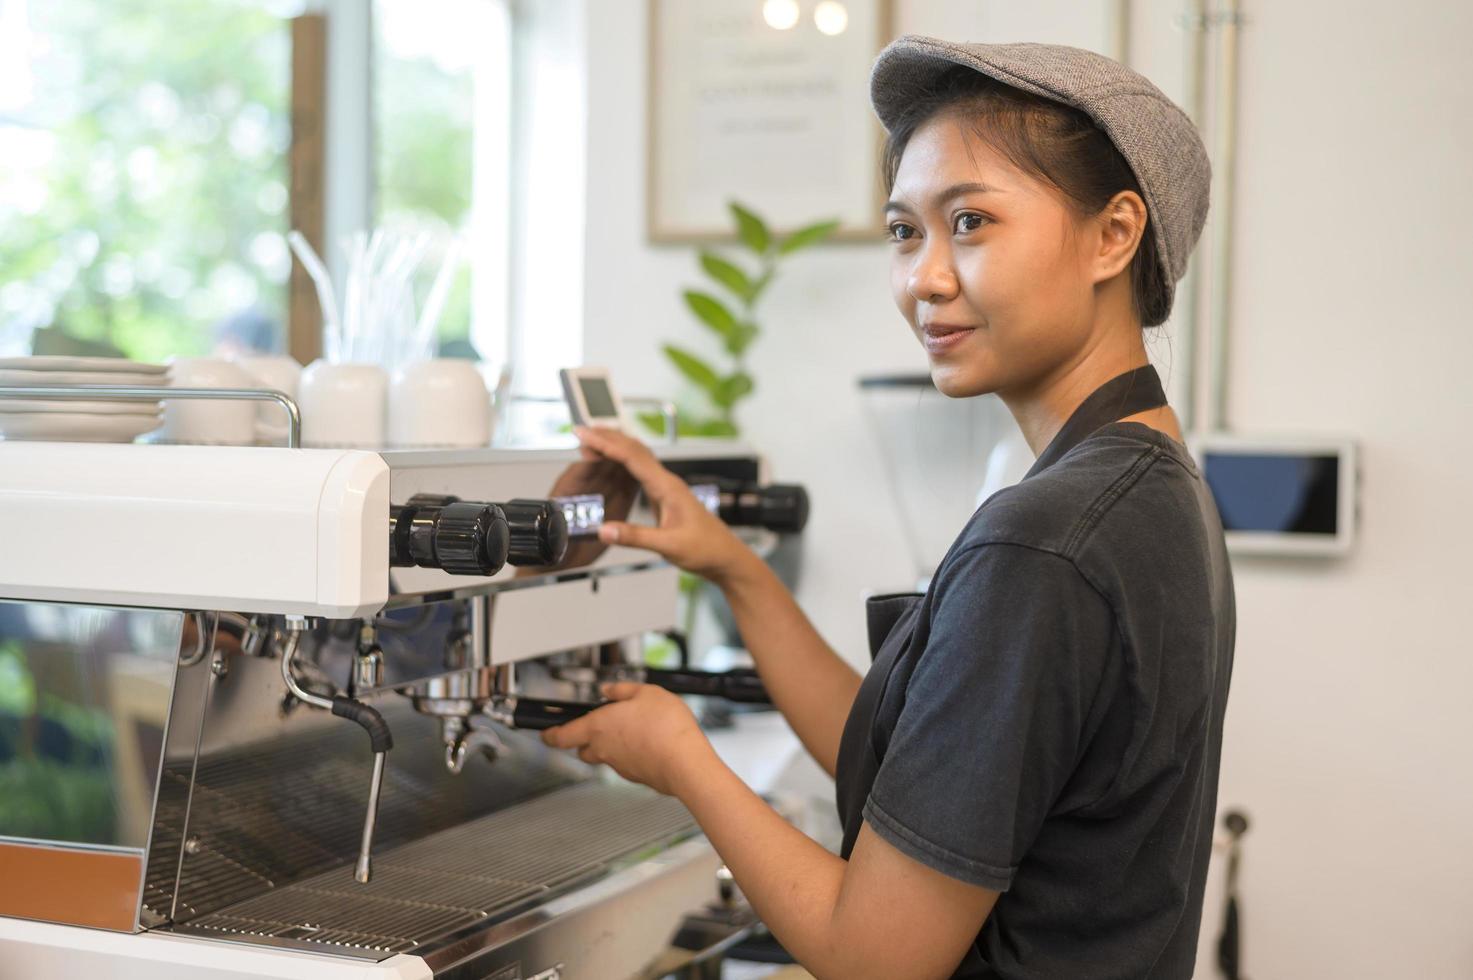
(765, 102)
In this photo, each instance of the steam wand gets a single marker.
(344, 707)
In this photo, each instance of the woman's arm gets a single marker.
(880, 914)
(809, 683)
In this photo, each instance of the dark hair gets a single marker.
(1048, 140)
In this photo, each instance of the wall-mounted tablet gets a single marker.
(591, 397)
(1282, 495)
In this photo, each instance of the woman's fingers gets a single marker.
(569, 736)
(633, 536)
(633, 454)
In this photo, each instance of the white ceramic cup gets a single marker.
(343, 405)
(208, 422)
(439, 403)
(272, 371)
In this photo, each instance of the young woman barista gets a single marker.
(1027, 775)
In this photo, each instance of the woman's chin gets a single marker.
(956, 381)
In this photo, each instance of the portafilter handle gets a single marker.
(780, 507)
(537, 714)
(739, 684)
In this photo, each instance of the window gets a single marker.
(143, 184)
(478, 112)
(144, 171)
(441, 115)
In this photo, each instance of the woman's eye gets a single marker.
(901, 232)
(968, 222)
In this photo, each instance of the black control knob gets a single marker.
(779, 507)
(472, 539)
(460, 536)
(539, 532)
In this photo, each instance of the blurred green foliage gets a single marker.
(66, 792)
(423, 132)
(143, 186)
(148, 175)
(732, 317)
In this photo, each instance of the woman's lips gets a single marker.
(940, 338)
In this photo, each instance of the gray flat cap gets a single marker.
(1155, 136)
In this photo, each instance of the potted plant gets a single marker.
(730, 312)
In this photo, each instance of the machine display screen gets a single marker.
(584, 513)
(709, 494)
(598, 398)
(1293, 494)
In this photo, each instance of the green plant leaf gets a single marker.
(730, 276)
(693, 368)
(741, 338)
(752, 230)
(712, 312)
(761, 284)
(731, 388)
(718, 429)
(803, 237)
(654, 421)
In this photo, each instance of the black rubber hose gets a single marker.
(368, 717)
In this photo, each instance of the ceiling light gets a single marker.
(830, 17)
(780, 14)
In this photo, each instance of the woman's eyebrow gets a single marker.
(955, 190)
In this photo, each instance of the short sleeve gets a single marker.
(994, 714)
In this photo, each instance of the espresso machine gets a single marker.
(274, 712)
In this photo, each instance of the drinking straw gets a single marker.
(435, 302)
(332, 327)
(357, 248)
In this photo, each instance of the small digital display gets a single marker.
(1280, 494)
(598, 398)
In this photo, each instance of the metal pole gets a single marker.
(1195, 23)
(1229, 19)
(1121, 29)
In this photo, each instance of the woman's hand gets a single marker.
(646, 734)
(688, 534)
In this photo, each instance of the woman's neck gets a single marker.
(1042, 409)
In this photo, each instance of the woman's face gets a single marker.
(990, 267)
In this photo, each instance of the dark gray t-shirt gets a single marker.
(1046, 721)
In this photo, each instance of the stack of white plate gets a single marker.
(67, 420)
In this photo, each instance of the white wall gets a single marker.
(1350, 738)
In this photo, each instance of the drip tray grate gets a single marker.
(472, 873)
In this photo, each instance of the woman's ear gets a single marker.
(1122, 222)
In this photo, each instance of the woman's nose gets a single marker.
(932, 278)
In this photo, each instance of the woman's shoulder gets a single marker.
(1058, 509)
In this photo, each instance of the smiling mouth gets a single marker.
(944, 329)
(938, 338)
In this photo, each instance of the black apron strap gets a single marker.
(1130, 394)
